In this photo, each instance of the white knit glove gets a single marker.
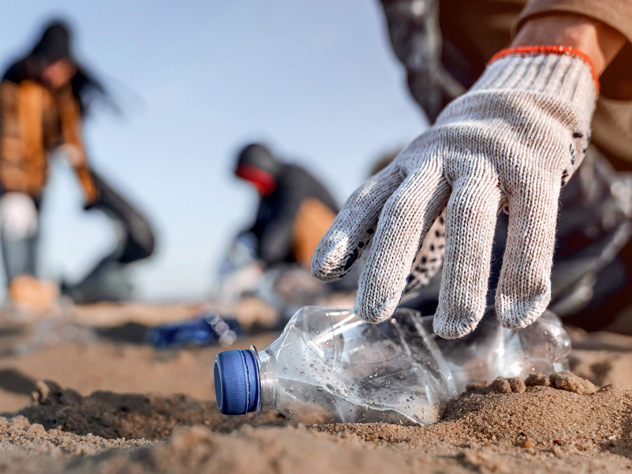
(510, 144)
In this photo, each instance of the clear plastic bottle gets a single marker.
(328, 366)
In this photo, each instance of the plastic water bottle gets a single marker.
(328, 366)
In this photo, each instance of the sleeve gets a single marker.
(70, 117)
(615, 13)
(275, 239)
(12, 175)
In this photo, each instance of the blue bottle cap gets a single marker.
(237, 382)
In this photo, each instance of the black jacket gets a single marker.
(278, 210)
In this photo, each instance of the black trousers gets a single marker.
(136, 241)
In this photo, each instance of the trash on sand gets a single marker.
(328, 366)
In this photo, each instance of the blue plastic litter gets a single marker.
(205, 330)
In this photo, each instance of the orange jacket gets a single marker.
(33, 120)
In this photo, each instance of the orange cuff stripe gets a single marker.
(559, 50)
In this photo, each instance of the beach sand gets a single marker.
(103, 402)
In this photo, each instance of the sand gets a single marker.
(110, 404)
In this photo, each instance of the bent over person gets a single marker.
(43, 99)
(513, 121)
(294, 211)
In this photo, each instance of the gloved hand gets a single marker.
(510, 144)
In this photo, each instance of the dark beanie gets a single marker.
(54, 43)
(258, 156)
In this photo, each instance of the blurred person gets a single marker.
(295, 209)
(511, 121)
(44, 98)
(269, 261)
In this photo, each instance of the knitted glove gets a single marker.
(510, 144)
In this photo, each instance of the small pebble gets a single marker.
(569, 381)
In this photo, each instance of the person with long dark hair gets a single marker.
(44, 97)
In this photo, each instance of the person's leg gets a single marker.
(137, 241)
(108, 280)
(20, 239)
(19, 234)
(33, 241)
(13, 258)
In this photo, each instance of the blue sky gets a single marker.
(316, 80)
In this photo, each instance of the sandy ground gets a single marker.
(99, 400)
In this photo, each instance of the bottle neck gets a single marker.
(268, 383)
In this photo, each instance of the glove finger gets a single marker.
(470, 222)
(524, 288)
(406, 218)
(354, 226)
(429, 257)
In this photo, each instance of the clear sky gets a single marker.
(316, 80)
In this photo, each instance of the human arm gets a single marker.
(278, 216)
(510, 143)
(598, 41)
(70, 118)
